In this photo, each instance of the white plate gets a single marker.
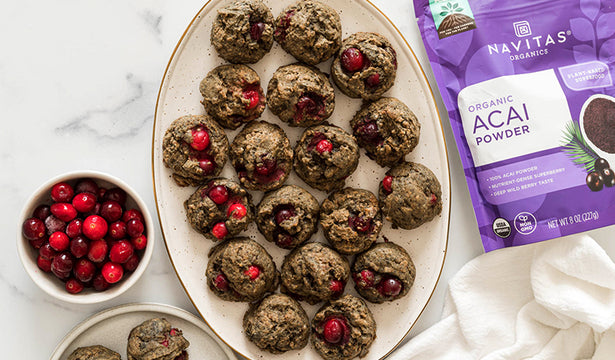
(111, 327)
(179, 95)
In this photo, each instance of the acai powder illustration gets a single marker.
(599, 124)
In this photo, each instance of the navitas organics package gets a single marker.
(528, 85)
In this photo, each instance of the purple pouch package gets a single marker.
(528, 86)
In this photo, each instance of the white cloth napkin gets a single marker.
(551, 300)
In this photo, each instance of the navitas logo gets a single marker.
(522, 28)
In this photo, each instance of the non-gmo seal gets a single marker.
(525, 223)
(501, 227)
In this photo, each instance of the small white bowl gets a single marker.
(47, 281)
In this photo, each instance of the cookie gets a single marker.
(387, 129)
(365, 67)
(277, 324)
(156, 339)
(314, 272)
(385, 272)
(410, 195)
(262, 156)
(351, 220)
(241, 270)
(95, 352)
(300, 95)
(325, 156)
(232, 95)
(343, 329)
(243, 31)
(309, 30)
(287, 216)
(195, 148)
(219, 209)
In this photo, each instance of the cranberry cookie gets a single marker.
(232, 95)
(385, 272)
(300, 95)
(410, 195)
(194, 147)
(95, 352)
(156, 339)
(220, 209)
(241, 270)
(365, 67)
(243, 31)
(287, 216)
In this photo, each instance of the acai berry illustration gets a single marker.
(608, 177)
(601, 164)
(594, 181)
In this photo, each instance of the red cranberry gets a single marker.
(364, 279)
(116, 194)
(134, 228)
(174, 332)
(433, 199)
(284, 240)
(310, 104)
(207, 165)
(368, 132)
(53, 224)
(219, 230)
(360, 224)
(132, 214)
(79, 247)
(94, 227)
(266, 167)
(121, 251)
(99, 283)
(373, 80)
(336, 287)
(218, 194)
(101, 193)
(112, 272)
(98, 250)
(256, 30)
(253, 98)
(84, 202)
(95, 211)
(132, 263)
(62, 264)
(284, 214)
(139, 242)
(37, 243)
(62, 192)
(59, 241)
(390, 287)
(221, 282)
(86, 185)
(111, 211)
(47, 252)
(43, 264)
(42, 212)
(252, 272)
(117, 230)
(33, 229)
(352, 59)
(324, 146)
(335, 330)
(280, 31)
(387, 183)
(200, 139)
(84, 270)
(238, 211)
(64, 211)
(74, 286)
(73, 229)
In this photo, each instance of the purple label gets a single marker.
(524, 179)
(589, 75)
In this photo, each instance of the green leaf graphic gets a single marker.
(449, 5)
(455, 6)
(443, 13)
(577, 149)
(444, 8)
(459, 10)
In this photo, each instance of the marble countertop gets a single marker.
(78, 85)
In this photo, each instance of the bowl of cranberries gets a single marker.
(85, 237)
